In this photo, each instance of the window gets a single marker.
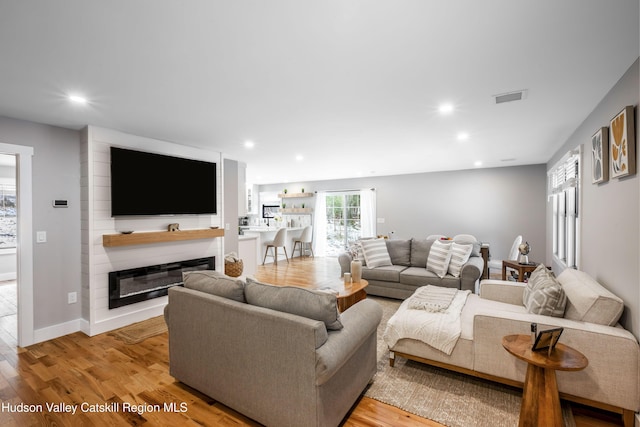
(563, 194)
(8, 218)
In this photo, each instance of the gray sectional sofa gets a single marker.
(282, 356)
(408, 271)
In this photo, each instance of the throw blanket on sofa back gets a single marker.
(430, 315)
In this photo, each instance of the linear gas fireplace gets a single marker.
(140, 284)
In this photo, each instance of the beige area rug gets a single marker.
(447, 397)
(138, 332)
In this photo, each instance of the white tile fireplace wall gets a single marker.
(98, 261)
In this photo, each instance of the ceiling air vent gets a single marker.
(510, 96)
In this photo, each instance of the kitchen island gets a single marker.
(267, 234)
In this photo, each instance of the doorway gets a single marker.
(8, 250)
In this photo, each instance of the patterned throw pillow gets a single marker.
(459, 256)
(439, 257)
(376, 253)
(543, 294)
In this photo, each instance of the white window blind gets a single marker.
(564, 183)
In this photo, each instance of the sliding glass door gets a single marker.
(344, 224)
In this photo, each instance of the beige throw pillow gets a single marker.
(439, 257)
(459, 256)
(376, 253)
(543, 294)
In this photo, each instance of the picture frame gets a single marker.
(600, 156)
(547, 339)
(622, 144)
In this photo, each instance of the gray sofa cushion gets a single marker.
(420, 252)
(390, 273)
(312, 304)
(214, 283)
(416, 276)
(399, 251)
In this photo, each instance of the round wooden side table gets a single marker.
(540, 398)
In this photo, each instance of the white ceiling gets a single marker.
(353, 86)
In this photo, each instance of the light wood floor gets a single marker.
(103, 370)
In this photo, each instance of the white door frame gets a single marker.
(24, 250)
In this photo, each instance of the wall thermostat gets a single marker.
(60, 203)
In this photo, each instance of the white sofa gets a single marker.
(611, 381)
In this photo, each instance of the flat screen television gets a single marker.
(154, 184)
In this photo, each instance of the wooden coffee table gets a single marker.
(348, 294)
(540, 398)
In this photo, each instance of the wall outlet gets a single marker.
(72, 297)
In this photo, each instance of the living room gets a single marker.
(495, 203)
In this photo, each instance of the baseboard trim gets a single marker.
(56, 331)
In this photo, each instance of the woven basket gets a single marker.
(233, 269)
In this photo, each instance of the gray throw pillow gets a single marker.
(214, 283)
(312, 304)
(399, 251)
(543, 294)
(420, 252)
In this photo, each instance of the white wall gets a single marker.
(494, 204)
(98, 261)
(610, 211)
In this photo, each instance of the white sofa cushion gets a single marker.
(439, 258)
(376, 253)
(587, 300)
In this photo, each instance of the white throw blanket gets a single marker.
(432, 298)
(440, 330)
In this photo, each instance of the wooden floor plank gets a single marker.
(100, 369)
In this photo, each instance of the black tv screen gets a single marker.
(154, 184)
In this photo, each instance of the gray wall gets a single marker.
(230, 204)
(610, 222)
(493, 204)
(56, 175)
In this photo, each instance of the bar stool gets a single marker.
(305, 238)
(277, 242)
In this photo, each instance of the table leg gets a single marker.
(504, 271)
(346, 302)
(520, 274)
(540, 399)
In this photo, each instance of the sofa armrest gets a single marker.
(360, 321)
(345, 263)
(470, 273)
(502, 291)
(615, 383)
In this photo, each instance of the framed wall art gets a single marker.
(600, 156)
(622, 144)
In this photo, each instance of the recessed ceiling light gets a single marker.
(299, 158)
(463, 136)
(445, 108)
(78, 99)
(249, 144)
(477, 164)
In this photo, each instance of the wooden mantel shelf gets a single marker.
(111, 240)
